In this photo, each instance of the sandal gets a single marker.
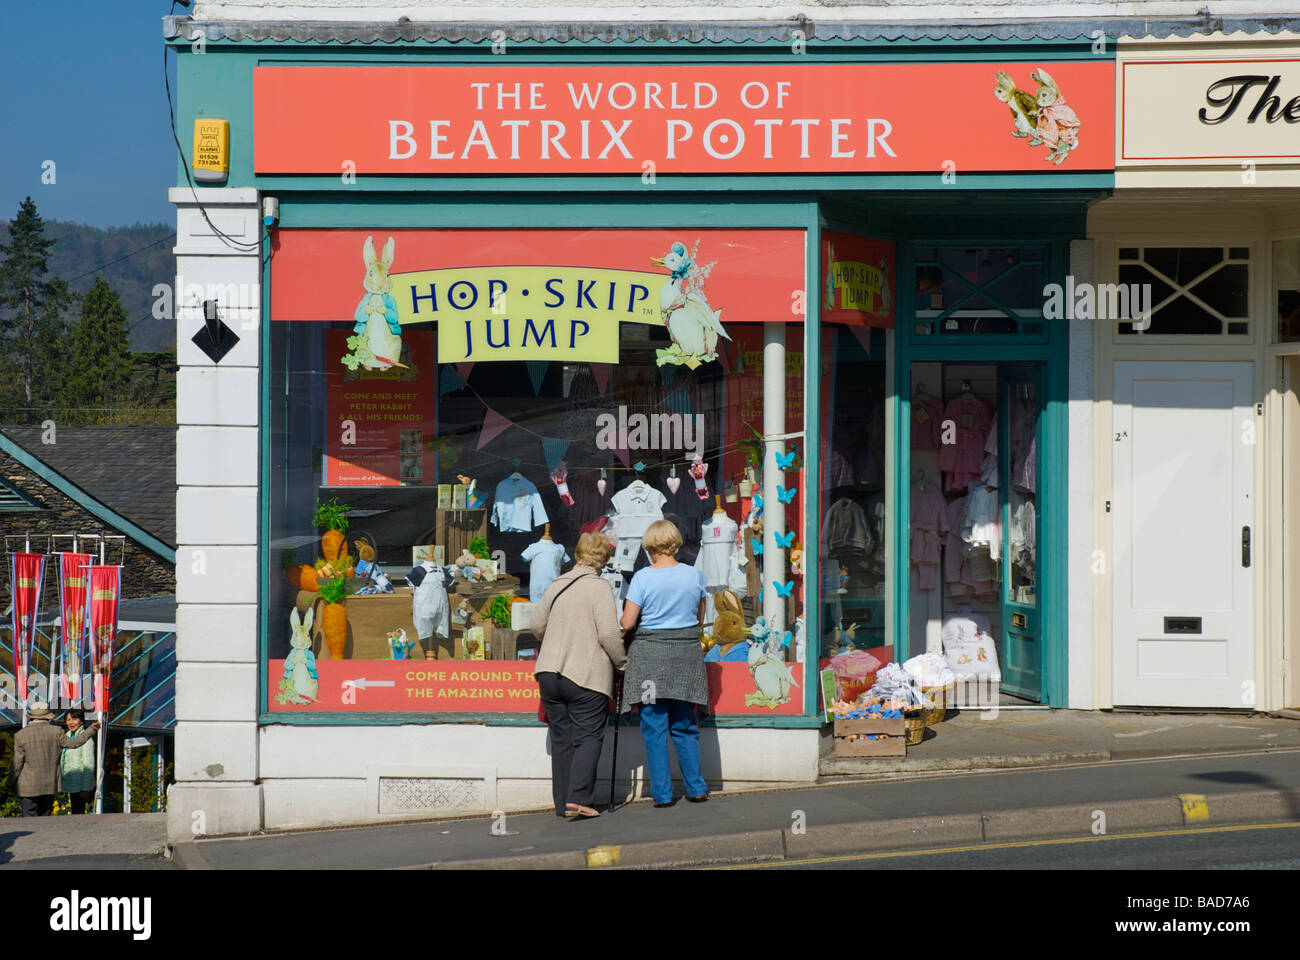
(574, 811)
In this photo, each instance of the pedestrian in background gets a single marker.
(665, 669)
(36, 759)
(576, 622)
(77, 766)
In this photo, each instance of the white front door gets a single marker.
(1184, 538)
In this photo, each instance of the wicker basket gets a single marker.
(940, 697)
(914, 724)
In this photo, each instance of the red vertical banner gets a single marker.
(104, 591)
(26, 574)
(73, 574)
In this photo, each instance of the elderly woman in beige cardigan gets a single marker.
(582, 646)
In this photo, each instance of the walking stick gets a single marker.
(618, 714)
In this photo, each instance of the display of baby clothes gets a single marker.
(845, 531)
(638, 505)
(717, 550)
(1022, 533)
(961, 460)
(980, 525)
(929, 521)
(517, 506)
(989, 468)
(956, 567)
(543, 558)
(1024, 445)
(430, 609)
(927, 412)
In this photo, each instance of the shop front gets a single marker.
(1196, 405)
(499, 306)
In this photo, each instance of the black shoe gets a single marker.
(670, 803)
(698, 799)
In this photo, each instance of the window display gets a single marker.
(587, 375)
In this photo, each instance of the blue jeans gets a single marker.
(658, 720)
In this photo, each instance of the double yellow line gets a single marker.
(935, 851)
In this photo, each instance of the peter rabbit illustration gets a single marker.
(1024, 108)
(729, 627)
(1058, 124)
(300, 666)
(376, 314)
(772, 676)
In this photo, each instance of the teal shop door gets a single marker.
(1019, 443)
(974, 516)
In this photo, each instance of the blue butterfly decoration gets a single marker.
(786, 460)
(785, 641)
(783, 540)
(758, 505)
(758, 547)
(638, 466)
(784, 495)
(783, 589)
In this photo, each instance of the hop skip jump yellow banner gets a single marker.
(528, 312)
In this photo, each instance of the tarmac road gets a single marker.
(414, 844)
(1264, 847)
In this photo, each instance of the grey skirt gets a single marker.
(665, 665)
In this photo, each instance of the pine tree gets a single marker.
(31, 307)
(99, 369)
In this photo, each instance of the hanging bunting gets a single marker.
(669, 373)
(493, 424)
(26, 578)
(601, 372)
(554, 451)
(679, 401)
(101, 622)
(449, 380)
(864, 336)
(73, 571)
(463, 369)
(537, 373)
(623, 455)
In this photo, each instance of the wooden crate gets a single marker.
(454, 529)
(894, 746)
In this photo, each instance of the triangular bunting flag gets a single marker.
(624, 456)
(554, 451)
(463, 369)
(669, 373)
(449, 380)
(679, 401)
(493, 424)
(864, 336)
(601, 372)
(537, 373)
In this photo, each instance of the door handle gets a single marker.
(1245, 546)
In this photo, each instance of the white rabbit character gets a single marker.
(772, 676)
(376, 314)
(300, 666)
(1058, 124)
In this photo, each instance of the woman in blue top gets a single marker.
(665, 665)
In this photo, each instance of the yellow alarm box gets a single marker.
(211, 149)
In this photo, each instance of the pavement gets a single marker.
(110, 841)
(1026, 774)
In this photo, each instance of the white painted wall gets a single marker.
(1082, 667)
(695, 10)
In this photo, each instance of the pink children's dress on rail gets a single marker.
(929, 521)
(962, 461)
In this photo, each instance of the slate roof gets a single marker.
(131, 470)
(820, 29)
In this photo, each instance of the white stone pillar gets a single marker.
(774, 400)
(217, 414)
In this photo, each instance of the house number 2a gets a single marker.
(1121, 435)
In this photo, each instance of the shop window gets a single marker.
(979, 291)
(1286, 286)
(468, 421)
(1183, 291)
(853, 471)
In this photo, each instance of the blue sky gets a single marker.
(83, 87)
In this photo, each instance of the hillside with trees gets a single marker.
(75, 313)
